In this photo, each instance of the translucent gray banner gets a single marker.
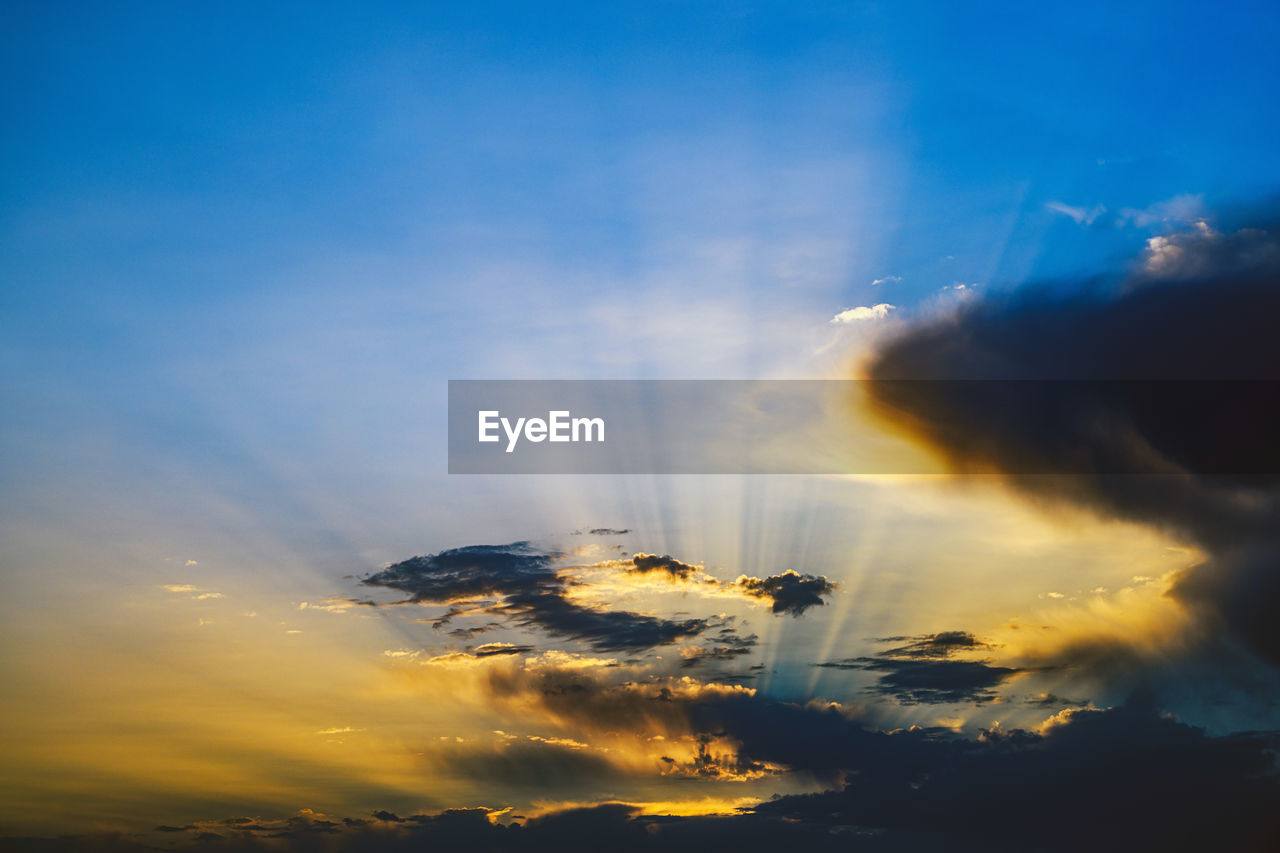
(863, 427)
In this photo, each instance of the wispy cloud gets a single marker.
(1081, 215)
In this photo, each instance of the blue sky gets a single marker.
(406, 188)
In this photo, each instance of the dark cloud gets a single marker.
(790, 592)
(1202, 308)
(1123, 778)
(938, 645)
(530, 591)
(695, 655)
(914, 681)
(1126, 778)
(469, 573)
(818, 739)
(608, 531)
(645, 563)
(920, 669)
(603, 630)
(537, 766)
(710, 764)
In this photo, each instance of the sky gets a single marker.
(244, 249)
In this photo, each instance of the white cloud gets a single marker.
(853, 315)
(889, 279)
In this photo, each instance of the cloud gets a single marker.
(915, 682)
(1203, 314)
(889, 279)
(1133, 775)
(854, 315)
(789, 592)
(529, 592)
(921, 670)
(1138, 778)
(464, 574)
(200, 595)
(1203, 252)
(540, 765)
(644, 563)
(1081, 215)
(1177, 211)
(938, 645)
(487, 650)
(693, 655)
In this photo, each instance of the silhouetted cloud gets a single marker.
(914, 681)
(920, 669)
(1201, 307)
(529, 591)
(789, 592)
(938, 645)
(1130, 777)
(644, 563)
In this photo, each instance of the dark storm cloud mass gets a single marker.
(1124, 778)
(1127, 778)
(530, 592)
(1203, 307)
